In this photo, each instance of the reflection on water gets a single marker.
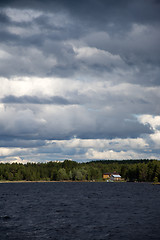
(79, 211)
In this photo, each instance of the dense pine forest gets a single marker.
(130, 170)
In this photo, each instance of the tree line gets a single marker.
(131, 170)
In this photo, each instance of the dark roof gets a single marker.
(110, 173)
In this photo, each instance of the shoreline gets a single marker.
(41, 181)
(69, 181)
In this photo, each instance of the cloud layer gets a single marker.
(79, 80)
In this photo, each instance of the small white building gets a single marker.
(115, 177)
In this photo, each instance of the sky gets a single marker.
(79, 80)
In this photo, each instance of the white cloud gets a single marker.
(101, 148)
(138, 143)
(100, 57)
(154, 121)
(156, 139)
(14, 159)
(114, 155)
(33, 86)
(4, 152)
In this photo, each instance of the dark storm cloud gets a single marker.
(128, 130)
(36, 100)
(4, 19)
(88, 20)
(98, 13)
(8, 37)
(142, 10)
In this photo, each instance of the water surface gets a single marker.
(79, 211)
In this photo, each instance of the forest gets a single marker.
(130, 170)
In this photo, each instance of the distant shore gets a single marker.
(24, 181)
(67, 181)
(45, 181)
(71, 171)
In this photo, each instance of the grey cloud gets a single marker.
(36, 100)
(21, 143)
(61, 150)
(37, 56)
(6, 37)
(140, 52)
(126, 131)
(67, 122)
(136, 99)
(21, 124)
(114, 126)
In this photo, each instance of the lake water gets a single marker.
(77, 210)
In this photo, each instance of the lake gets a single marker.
(79, 210)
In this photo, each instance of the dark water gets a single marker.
(79, 211)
